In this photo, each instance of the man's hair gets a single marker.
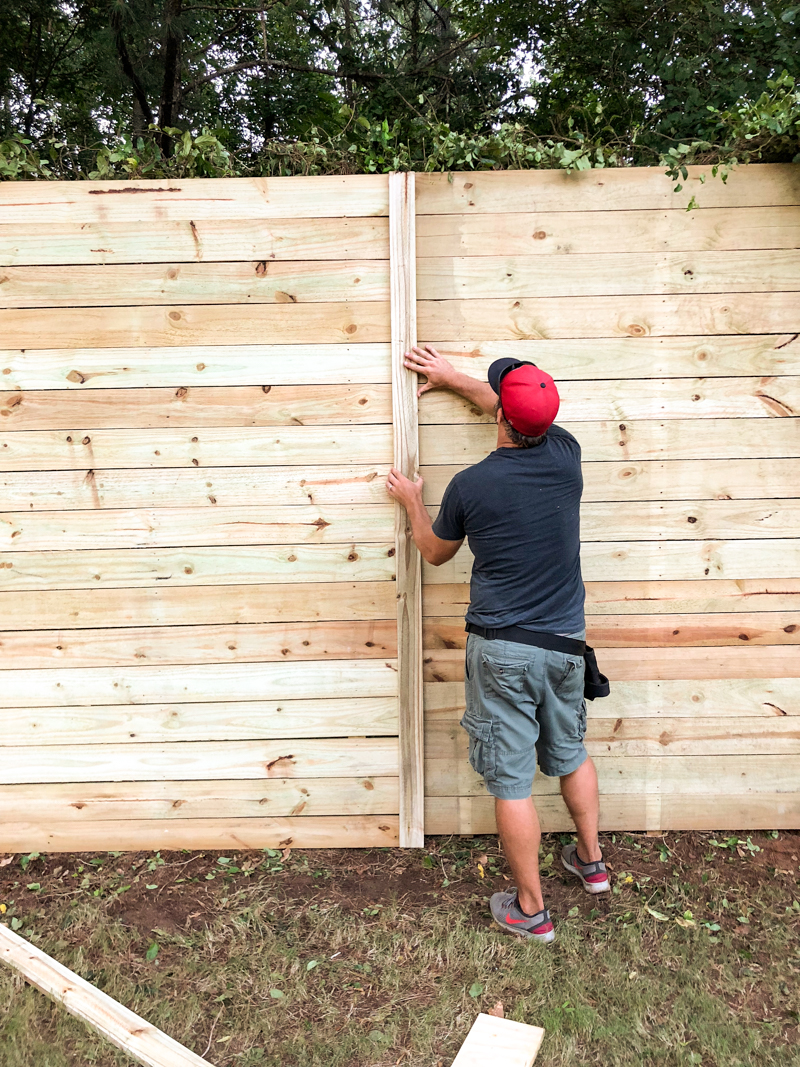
(517, 438)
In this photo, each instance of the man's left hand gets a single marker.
(403, 490)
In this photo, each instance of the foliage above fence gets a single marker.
(766, 129)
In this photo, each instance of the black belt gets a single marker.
(595, 684)
(537, 638)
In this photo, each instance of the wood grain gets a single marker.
(573, 233)
(216, 240)
(503, 1042)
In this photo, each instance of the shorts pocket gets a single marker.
(582, 720)
(504, 678)
(571, 679)
(481, 745)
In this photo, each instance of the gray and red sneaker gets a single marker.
(507, 913)
(593, 875)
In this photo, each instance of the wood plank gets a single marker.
(202, 760)
(212, 643)
(172, 447)
(406, 460)
(212, 721)
(254, 282)
(188, 527)
(83, 687)
(654, 631)
(652, 664)
(260, 568)
(608, 189)
(606, 441)
(218, 365)
(652, 737)
(544, 317)
(475, 815)
(135, 1036)
(220, 240)
(183, 367)
(654, 398)
(646, 598)
(504, 275)
(197, 324)
(568, 233)
(89, 802)
(622, 358)
(699, 479)
(643, 776)
(174, 606)
(640, 521)
(708, 698)
(502, 1042)
(196, 199)
(350, 831)
(195, 487)
(256, 405)
(666, 560)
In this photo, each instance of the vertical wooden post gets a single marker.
(402, 254)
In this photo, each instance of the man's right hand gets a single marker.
(426, 360)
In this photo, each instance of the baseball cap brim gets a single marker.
(500, 368)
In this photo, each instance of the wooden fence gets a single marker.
(209, 609)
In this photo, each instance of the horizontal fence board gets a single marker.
(622, 358)
(168, 447)
(213, 406)
(693, 776)
(83, 687)
(88, 802)
(639, 521)
(242, 720)
(708, 698)
(196, 324)
(491, 277)
(571, 233)
(475, 815)
(259, 282)
(146, 569)
(694, 479)
(224, 240)
(636, 399)
(566, 317)
(652, 737)
(652, 664)
(182, 199)
(229, 365)
(655, 631)
(208, 366)
(647, 598)
(188, 527)
(665, 560)
(362, 831)
(202, 760)
(606, 441)
(606, 189)
(224, 487)
(212, 643)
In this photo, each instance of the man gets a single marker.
(519, 509)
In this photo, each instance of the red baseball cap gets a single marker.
(528, 395)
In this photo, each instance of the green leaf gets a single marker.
(427, 861)
(312, 964)
(662, 918)
(475, 989)
(277, 994)
(152, 952)
(573, 912)
(33, 885)
(16, 923)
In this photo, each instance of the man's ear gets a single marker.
(499, 416)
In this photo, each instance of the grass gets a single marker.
(378, 958)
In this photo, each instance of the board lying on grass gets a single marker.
(143, 1042)
(500, 1042)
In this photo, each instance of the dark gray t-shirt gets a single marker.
(520, 510)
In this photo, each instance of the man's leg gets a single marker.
(518, 826)
(580, 793)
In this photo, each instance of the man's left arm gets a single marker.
(432, 548)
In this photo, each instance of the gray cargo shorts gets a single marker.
(522, 702)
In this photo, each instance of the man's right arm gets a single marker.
(441, 374)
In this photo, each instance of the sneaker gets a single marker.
(507, 913)
(593, 875)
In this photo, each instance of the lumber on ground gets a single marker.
(143, 1042)
(499, 1042)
